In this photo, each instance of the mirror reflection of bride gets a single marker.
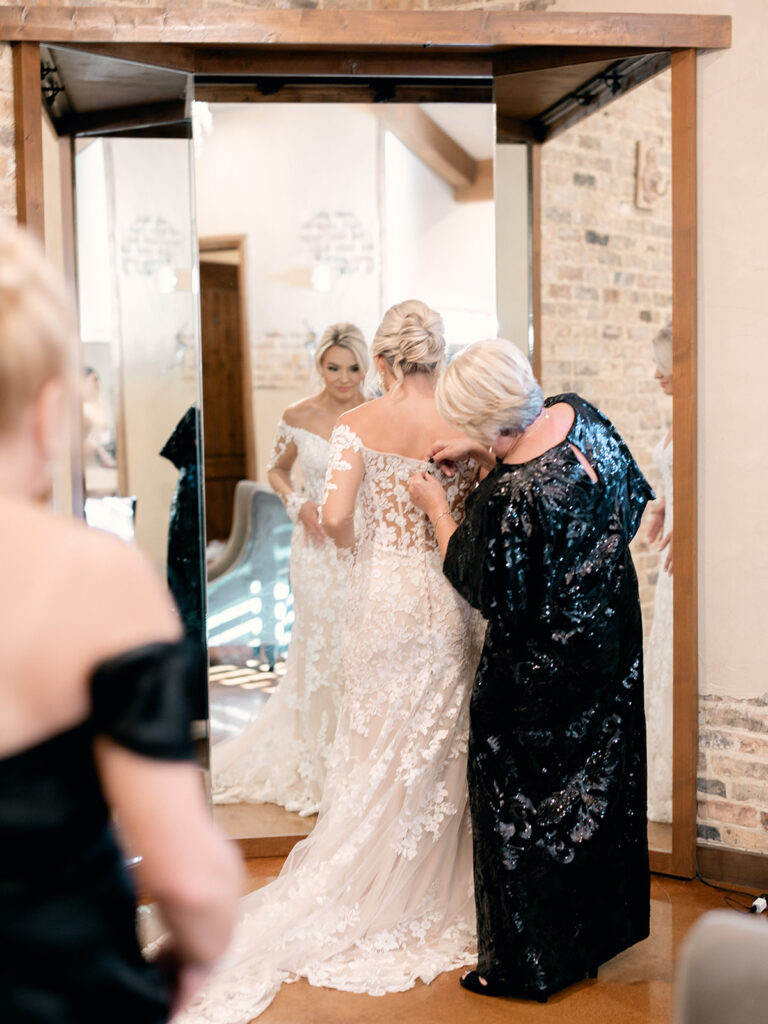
(281, 756)
(380, 895)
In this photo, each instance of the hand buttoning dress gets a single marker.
(281, 756)
(658, 665)
(380, 894)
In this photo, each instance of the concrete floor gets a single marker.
(636, 987)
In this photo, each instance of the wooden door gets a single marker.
(223, 419)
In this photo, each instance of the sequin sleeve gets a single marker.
(489, 554)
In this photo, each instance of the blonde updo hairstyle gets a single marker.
(37, 324)
(662, 350)
(489, 389)
(346, 336)
(411, 339)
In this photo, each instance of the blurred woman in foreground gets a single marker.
(93, 680)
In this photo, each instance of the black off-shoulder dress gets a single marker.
(68, 947)
(557, 769)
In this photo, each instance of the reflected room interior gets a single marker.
(323, 214)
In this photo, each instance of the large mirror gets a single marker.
(305, 215)
(309, 215)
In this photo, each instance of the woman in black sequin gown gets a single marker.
(94, 705)
(557, 772)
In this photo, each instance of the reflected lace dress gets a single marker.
(281, 756)
(557, 732)
(380, 894)
(658, 665)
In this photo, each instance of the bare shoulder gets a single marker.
(361, 415)
(301, 413)
(111, 587)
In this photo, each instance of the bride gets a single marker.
(281, 756)
(380, 895)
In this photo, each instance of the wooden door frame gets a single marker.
(403, 37)
(236, 243)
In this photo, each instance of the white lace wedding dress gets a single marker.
(281, 756)
(658, 665)
(381, 893)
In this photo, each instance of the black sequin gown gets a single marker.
(557, 770)
(67, 910)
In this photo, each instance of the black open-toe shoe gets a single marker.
(473, 983)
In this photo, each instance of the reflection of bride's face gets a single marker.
(665, 381)
(341, 372)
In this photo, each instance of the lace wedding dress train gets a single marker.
(659, 677)
(381, 893)
(281, 756)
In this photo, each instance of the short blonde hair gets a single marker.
(411, 339)
(37, 323)
(662, 350)
(488, 388)
(346, 336)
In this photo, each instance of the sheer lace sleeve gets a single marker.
(342, 482)
(284, 454)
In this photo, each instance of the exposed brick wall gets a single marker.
(607, 277)
(733, 772)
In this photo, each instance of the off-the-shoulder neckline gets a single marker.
(304, 430)
(126, 656)
(377, 451)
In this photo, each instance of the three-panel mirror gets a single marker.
(209, 271)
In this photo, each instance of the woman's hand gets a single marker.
(427, 494)
(309, 517)
(656, 521)
(447, 453)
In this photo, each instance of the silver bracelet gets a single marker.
(446, 513)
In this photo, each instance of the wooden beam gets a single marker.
(481, 188)
(684, 418)
(28, 117)
(598, 93)
(336, 28)
(123, 119)
(430, 144)
(266, 91)
(514, 129)
(534, 217)
(523, 59)
(254, 61)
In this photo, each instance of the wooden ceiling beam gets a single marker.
(430, 144)
(481, 188)
(343, 28)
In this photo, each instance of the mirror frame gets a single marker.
(402, 42)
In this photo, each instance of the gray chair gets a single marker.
(722, 974)
(249, 596)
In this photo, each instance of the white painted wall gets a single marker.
(436, 249)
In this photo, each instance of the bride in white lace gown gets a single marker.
(380, 895)
(659, 678)
(281, 756)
